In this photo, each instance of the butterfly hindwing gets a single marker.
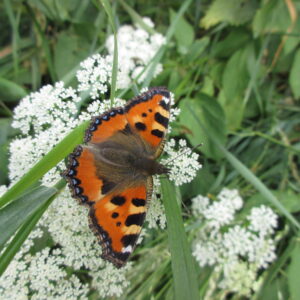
(148, 114)
(81, 175)
(118, 219)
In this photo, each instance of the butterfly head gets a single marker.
(161, 169)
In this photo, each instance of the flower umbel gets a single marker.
(236, 251)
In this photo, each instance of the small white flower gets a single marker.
(262, 220)
(237, 241)
(239, 277)
(207, 254)
(199, 205)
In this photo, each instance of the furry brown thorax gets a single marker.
(127, 161)
(128, 156)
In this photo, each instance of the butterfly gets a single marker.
(112, 171)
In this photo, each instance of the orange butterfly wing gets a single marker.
(81, 173)
(117, 215)
(118, 219)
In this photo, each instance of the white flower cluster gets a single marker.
(136, 48)
(236, 251)
(182, 160)
(94, 75)
(42, 277)
(44, 119)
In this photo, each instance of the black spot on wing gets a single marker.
(140, 126)
(126, 130)
(129, 239)
(158, 133)
(138, 202)
(114, 215)
(164, 105)
(121, 258)
(147, 96)
(135, 219)
(161, 119)
(107, 186)
(118, 200)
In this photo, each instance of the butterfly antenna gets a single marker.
(195, 147)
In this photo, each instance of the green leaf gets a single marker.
(16, 212)
(236, 39)
(235, 12)
(289, 199)
(183, 265)
(242, 169)
(51, 159)
(211, 113)
(200, 185)
(295, 75)
(69, 51)
(235, 81)
(10, 91)
(272, 16)
(184, 33)
(234, 116)
(196, 49)
(236, 76)
(293, 272)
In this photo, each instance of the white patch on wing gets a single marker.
(167, 100)
(128, 249)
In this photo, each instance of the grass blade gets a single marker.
(16, 212)
(183, 266)
(111, 19)
(14, 22)
(59, 152)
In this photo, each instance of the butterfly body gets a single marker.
(112, 172)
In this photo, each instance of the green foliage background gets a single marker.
(234, 67)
